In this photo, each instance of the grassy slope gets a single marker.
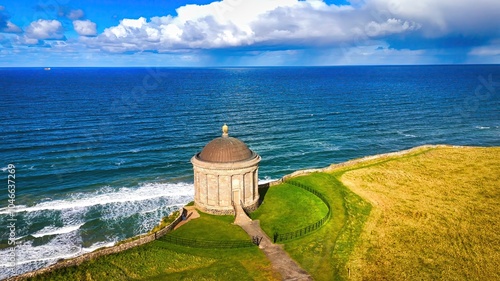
(283, 215)
(164, 261)
(325, 252)
(435, 216)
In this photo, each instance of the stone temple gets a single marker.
(225, 176)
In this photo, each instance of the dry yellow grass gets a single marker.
(435, 215)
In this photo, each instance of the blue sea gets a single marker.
(102, 154)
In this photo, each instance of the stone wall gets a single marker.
(249, 209)
(218, 212)
(128, 244)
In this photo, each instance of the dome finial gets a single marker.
(224, 130)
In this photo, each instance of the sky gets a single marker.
(198, 33)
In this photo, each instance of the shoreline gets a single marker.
(119, 246)
(145, 238)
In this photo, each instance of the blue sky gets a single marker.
(248, 32)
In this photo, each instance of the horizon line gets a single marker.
(260, 66)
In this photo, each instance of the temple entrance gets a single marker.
(236, 197)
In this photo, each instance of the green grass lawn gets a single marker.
(164, 261)
(287, 208)
(211, 227)
(160, 260)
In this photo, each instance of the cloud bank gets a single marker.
(267, 32)
(289, 24)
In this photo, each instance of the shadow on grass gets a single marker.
(262, 193)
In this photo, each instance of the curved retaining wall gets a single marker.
(281, 237)
(140, 240)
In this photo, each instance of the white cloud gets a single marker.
(492, 49)
(292, 24)
(229, 23)
(11, 28)
(5, 24)
(75, 14)
(85, 27)
(45, 29)
(391, 26)
(24, 40)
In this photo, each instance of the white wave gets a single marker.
(328, 146)
(108, 195)
(30, 257)
(406, 135)
(266, 180)
(32, 167)
(482, 127)
(50, 230)
(42, 256)
(98, 245)
(4, 169)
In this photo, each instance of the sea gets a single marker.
(99, 155)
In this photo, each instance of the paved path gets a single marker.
(280, 260)
(190, 215)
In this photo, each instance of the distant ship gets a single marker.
(47, 68)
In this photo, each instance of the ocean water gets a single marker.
(101, 154)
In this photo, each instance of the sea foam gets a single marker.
(108, 195)
(50, 230)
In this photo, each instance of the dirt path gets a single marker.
(280, 260)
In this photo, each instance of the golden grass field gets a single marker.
(435, 215)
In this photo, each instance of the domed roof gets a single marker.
(225, 149)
